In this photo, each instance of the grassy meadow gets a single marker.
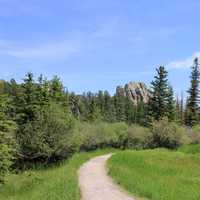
(191, 149)
(159, 174)
(53, 183)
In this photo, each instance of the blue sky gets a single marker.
(99, 44)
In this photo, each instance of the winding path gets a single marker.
(96, 185)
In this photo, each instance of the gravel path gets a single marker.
(96, 185)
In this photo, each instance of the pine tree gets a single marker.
(141, 114)
(170, 104)
(129, 111)
(100, 101)
(120, 104)
(56, 90)
(193, 99)
(158, 104)
(7, 135)
(74, 102)
(182, 110)
(179, 113)
(109, 108)
(94, 112)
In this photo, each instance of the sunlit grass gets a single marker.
(54, 183)
(157, 174)
(192, 149)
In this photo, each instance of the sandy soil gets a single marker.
(96, 185)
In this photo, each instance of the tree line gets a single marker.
(38, 117)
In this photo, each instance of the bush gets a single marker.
(168, 134)
(100, 134)
(7, 130)
(48, 137)
(5, 158)
(138, 137)
(195, 135)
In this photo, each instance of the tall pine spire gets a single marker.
(193, 98)
(161, 103)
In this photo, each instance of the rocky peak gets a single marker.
(136, 91)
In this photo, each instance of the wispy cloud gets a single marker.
(183, 64)
(50, 51)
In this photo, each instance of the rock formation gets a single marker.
(135, 91)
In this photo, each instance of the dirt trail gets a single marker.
(96, 185)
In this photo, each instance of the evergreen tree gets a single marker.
(109, 108)
(100, 101)
(179, 114)
(56, 90)
(193, 99)
(171, 104)
(26, 101)
(120, 103)
(74, 103)
(7, 135)
(129, 111)
(158, 104)
(94, 112)
(182, 110)
(142, 114)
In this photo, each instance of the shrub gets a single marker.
(168, 134)
(100, 134)
(5, 158)
(195, 135)
(48, 137)
(7, 130)
(120, 130)
(138, 137)
(7, 135)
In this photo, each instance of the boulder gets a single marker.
(136, 91)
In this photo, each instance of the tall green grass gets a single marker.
(54, 183)
(158, 174)
(192, 149)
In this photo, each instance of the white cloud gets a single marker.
(50, 51)
(183, 64)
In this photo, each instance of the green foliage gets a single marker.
(157, 174)
(168, 134)
(170, 104)
(191, 149)
(161, 102)
(195, 134)
(193, 99)
(93, 111)
(7, 134)
(48, 136)
(56, 89)
(120, 108)
(58, 182)
(45, 112)
(138, 137)
(179, 111)
(101, 134)
(6, 155)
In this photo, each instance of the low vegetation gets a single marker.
(41, 124)
(158, 174)
(191, 149)
(58, 182)
(168, 134)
